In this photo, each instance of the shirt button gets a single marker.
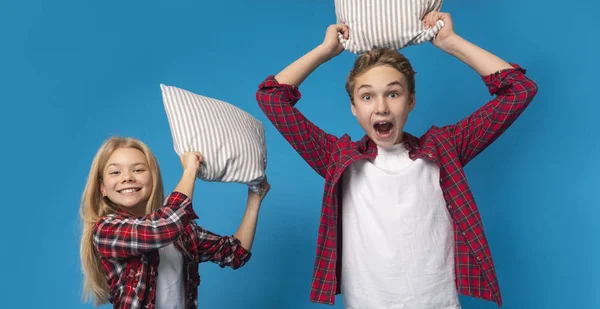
(449, 206)
(478, 258)
(464, 233)
(430, 155)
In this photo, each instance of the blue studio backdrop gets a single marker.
(73, 73)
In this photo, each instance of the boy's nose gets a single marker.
(381, 108)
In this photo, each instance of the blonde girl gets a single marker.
(140, 249)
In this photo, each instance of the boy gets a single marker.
(399, 226)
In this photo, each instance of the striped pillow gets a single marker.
(231, 141)
(385, 23)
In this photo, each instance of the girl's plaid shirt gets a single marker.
(128, 249)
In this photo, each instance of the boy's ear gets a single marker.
(353, 108)
(411, 102)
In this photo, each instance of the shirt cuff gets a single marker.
(503, 78)
(181, 200)
(291, 91)
(240, 252)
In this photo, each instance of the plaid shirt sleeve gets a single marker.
(118, 236)
(277, 101)
(513, 92)
(206, 246)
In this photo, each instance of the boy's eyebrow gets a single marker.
(390, 84)
(395, 83)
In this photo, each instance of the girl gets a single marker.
(139, 253)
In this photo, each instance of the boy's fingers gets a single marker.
(433, 18)
(346, 32)
(428, 18)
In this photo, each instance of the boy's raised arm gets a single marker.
(512, 89)
(480, 60)
(298, 71)
(277, 96)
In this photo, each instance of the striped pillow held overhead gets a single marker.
(385, 23)
(231, 140)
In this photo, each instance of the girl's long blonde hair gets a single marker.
(94, 206)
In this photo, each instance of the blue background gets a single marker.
(73, 73)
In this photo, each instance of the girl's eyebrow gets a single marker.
(117, 164)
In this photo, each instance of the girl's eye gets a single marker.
(139, 170)
(114, 173)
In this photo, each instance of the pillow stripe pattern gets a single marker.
(385, 23)
(231, 140)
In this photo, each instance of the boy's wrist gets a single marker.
(322, 54)
(452, 45)
(254, 201)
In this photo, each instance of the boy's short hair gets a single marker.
(377, 57)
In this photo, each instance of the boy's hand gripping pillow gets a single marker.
(385, 23)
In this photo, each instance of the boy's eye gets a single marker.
(366, 97)
(393, 95)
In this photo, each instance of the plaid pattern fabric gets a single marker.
(450, 147)
(128, 249)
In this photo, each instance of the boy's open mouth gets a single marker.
(383, 129)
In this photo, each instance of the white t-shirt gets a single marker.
(170, 280)
(398, 243)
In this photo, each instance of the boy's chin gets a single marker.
(384, 143)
